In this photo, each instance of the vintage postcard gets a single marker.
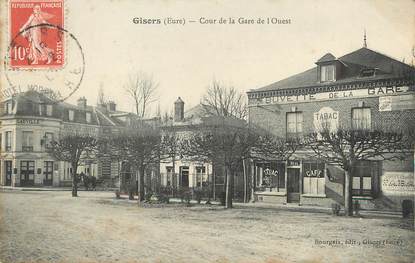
(207, 131)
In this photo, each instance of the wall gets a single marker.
(272, 117)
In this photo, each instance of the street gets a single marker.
(95, 227)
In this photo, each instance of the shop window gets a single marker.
(27, 141)
(9, 141)
(271, 175)
(49, 110)
(71, 115)
(294, 125)
(361, 119)
(313, 178)
(362, 182)
(327, 73)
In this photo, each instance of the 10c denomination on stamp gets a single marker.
(35, 40)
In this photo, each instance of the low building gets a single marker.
(362, 90)
(179, 172)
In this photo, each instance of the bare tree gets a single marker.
(345, 147)
(142, 88)
(271, 147)
(225, 101)
(141, 148)
(226, 147)
(74, 149)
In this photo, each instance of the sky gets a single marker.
(184, 59)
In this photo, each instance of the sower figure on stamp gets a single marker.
(37, 49)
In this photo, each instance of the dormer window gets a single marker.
(71, 114)
(9, 107)
(368, 72)
(327, 73)
(328, 66)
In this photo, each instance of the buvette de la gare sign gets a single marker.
(367, 92)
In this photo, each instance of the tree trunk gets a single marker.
(245, 182)
(253, 182)
(74, 181)
(348, 200)
(141, 192)
(214, 182)
(229, 189)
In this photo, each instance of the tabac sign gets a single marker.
(367, 92)
(326, 118)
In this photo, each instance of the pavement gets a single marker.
(261, 205)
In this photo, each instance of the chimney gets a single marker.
(178, 110)
(82, 102)
(111, 106)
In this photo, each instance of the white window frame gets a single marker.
(41, 109)
(49, 110)
(8, 138)
(9, 107)
(325, 71)
(27, 140)
(361, 118)
(48, 139)
(297, 121)
(71, 115)
(314, 184)
(88, 117)
(201, 177)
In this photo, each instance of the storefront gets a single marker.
(289, 181)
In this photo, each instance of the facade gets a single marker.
(361, 90)
(181, 173)
(30, 122)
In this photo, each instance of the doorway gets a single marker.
(48, 173)
(184, 176)
(27, 173)
(8, 171)
(293, 185)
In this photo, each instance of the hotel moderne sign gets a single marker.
(310, 97)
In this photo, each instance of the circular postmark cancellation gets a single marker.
(45, 58)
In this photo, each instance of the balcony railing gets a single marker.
(27, 148)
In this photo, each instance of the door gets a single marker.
(8, 171)
(184, 176)
(293, 185)
(27, 173)
(48, 173)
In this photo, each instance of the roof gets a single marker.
(326, 58)
(27, 104)
(363, 58)
(179, 100)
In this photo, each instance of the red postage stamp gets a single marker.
(35, 34)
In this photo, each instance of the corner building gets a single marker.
(30, 121)
(363, 90)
